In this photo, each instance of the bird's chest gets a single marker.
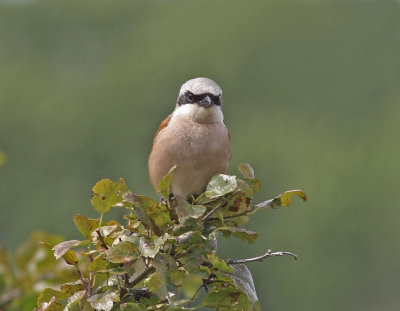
(201, 140)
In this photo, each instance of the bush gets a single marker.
(161, 259)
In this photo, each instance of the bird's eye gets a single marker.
(189, 96)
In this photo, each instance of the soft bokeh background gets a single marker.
(312, 100)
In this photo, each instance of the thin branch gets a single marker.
(197, 291)
(221, 204)
(85, 285)
(102, 242)
(269, 253)
(141, 276)
(244, 213)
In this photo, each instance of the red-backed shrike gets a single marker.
(194, 138)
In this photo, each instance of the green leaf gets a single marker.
(51, 305)
(149, 248)
(227, 299)
(107, 193)
(164, 186)
(153, 282)
(191, 250)
(283, 199)
(177, 277)
(132, 306)
(122, 252)
(104, 301)
(186, 210)
(99, 264)
(165, 264)
(48, 293)
(107, 230)
(85, 226)
(220, 185)
(243, 234)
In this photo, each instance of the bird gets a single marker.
(193, 138)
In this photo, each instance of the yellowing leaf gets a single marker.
(219, 264)
(286, 196)
(243, 234)
(99, 264)
(246, 170)
(154, 215)
(71, 258)
(107, 193)
(85, 225)
(70, 289)
(283, 199)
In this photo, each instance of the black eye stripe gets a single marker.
(190, 98)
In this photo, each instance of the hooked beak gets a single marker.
(206, 102)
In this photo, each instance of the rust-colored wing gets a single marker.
(163, 125)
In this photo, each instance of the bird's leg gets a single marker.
(164, 201)
(171, 198)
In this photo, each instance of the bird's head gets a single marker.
(200, 99)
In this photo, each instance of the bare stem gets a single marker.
(269, 253)
(141, 276)
(102, 242)
(85, 285)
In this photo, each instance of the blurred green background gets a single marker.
(311, 98)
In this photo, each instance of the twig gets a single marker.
(85, 285)
(102, 242)
(222, 204)
(92, 275)
(269, 253)
(141, 276)
(195, 294)
(233, 216)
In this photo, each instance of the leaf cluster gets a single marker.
(165, 252)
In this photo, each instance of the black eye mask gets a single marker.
(190, 98)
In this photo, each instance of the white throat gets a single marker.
(196, 113)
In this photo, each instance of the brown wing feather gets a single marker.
(163, 125)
